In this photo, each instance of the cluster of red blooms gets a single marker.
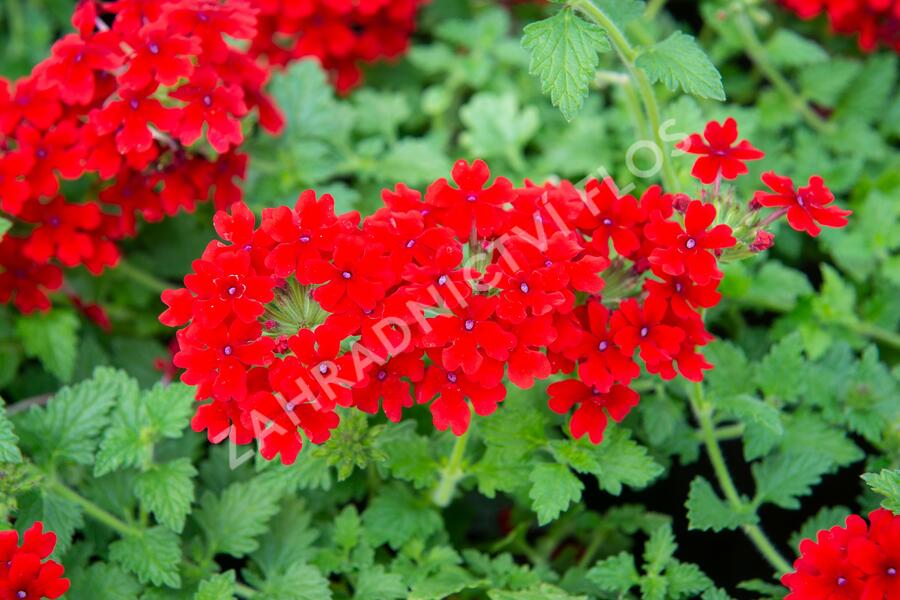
(873, 21)
(437, 297)
(855, 562)
(340, 34)
(124, 98)
(24, 574)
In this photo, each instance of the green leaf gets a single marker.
(678, 61)
(886, 483)
(564, 56)
(782, 478)
(445, 583)
(153, 556)
(102, 581)
(291, 542)
(686, 580)
(58, 514)
(409, 455)
(51, 338)
(497, 127)
(808, 433)
(169, 408)
(782, 374)
(870, 91)
(9, 448)
(127, 440)
(217, 587)
(375, 584)
(706, 510)
(68, 427)
(544, 591)
(553, 488)
(752, 410)
(616, 574)
(622, 462)
(660, 548)
(167, 490)
(5, 225)
(299, 582)
(622, 12)
(788, 49)
(233, 520)
(395, 516)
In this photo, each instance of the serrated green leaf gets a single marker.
(169, 408)
(685, 580)
(623, 462)
(58, 514)
(299, 582)
(102, 581)
(396, 516)
(409, 455)
(616, 574)
(750, 409)
(9, 448)
(782, 478)
(553, 489)
(497, 127)
(127, 441)
(51, 338)
(654, 587)
(678, 62)
(887, 484)
(782, 374)
(443, 584)
(291, 542)
(564, 56)
(67, 428)
(233, 520)
(167, 490)
(375, 584)
(154, 556)
(706, 510)
(808, 433)
(659, 549)
(217, 587)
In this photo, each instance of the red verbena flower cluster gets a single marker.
(340, 34)
(874, 22)
(859, 561)
(440, 297)
(126, 99)
(24, 572)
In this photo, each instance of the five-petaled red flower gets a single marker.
(807, 208)
(719, 156)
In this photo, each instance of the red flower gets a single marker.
(471, 207)
(158, 57)
(643, 328)
(390, 383)
(603, 363)
(14, 188)
(131, 118)
(64, 231)
(74, 64)
(762, 242)
(690, 249)
(22, 574)
(683, 295)
(452, 388)
(24, 280)
(824, 570)
(276, 421)
(592, 406)
(357, 277)
(227, 285)
(57, 150)
(719, 156)
(612, 217)
(213, 105)
(807, 208)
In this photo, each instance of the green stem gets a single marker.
(629, 55)
(145, 279)
(244, 591)
(653, 8)
(94, 511)
(452, 473)
(703, 413)
(875, 332)
(757, 53)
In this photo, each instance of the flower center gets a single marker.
(678, 287)
(21, 594)
(644, 331)
(290, 406)
(469, 325)
(891, 571)
(232, 291)
(207, 101)
(202, 17)
(382, 375)
(842, 581)
(323, 369)
(719, 153)
(524, 287)
(442, 280)
(304, 239)
(53, 221)
(347, 275)
(451, 377)
(153, 47)
(248, 248)
(607, 221)
(801, 201)
(41, 153)
(547, 263)
(471, 198)
(595, 391)
(410, 243)
(134, 104)
(602, 346)
(227, 350)
(690, 244)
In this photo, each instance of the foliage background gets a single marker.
(805, 394)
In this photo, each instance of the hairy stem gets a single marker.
(629, 55)
(703, 413)
(452, 473)
(94, 511)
